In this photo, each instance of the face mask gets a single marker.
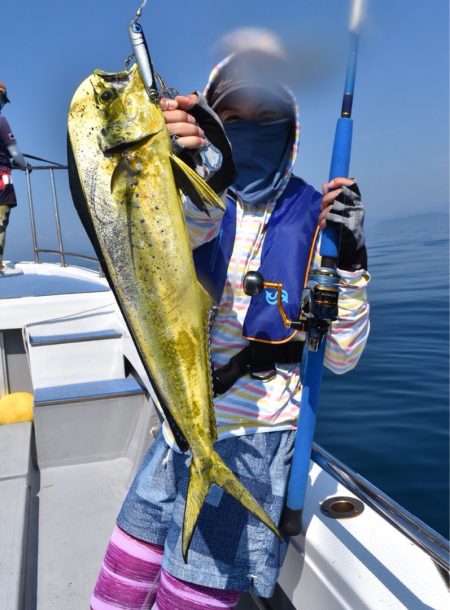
(261, 152)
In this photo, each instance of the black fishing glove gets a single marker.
(347, 214)
(214, 163)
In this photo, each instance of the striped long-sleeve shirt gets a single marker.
(253, 405)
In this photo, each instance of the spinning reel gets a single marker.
(319, 302)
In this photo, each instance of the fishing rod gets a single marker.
(320, 301)
(43, 160)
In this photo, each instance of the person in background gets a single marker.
(9, 155)
(270, 225)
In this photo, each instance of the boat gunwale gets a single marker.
(418, 532)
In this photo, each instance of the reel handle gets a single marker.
(253, 283)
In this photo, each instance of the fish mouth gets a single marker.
(115, 77)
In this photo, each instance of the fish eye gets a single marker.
(107, 95)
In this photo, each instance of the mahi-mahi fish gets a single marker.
(125, 185)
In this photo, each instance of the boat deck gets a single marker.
(77, 508)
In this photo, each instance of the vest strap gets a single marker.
(255, 358)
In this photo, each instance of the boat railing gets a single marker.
(63, 254)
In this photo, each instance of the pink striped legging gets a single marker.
(131, 578)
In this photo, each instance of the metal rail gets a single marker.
(36, 249)
(432, 543)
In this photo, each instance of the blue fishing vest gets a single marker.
(288, 241)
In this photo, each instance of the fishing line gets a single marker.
(139, 11)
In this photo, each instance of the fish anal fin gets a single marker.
(193, 186)
(209, 310)
(203, 473)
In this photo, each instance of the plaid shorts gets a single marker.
(230, 548)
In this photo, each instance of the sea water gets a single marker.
(388, 418)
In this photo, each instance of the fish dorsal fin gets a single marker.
(193, 186)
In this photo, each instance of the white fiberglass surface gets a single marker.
(48, 279)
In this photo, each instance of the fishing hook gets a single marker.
(165, 90)
(128, 60)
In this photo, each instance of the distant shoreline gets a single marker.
(433, 217)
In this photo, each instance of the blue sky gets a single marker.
(400, 147)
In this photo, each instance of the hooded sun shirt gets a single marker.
(253, 405)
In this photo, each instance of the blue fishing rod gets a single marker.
(320, 302)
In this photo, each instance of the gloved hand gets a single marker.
(215, 134)
(347, 213)
(203, 146)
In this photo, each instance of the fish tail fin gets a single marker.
(193, 186)
(201, 477)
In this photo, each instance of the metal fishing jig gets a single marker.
(142, 55)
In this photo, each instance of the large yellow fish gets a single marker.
(124, 181)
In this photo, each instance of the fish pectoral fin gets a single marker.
(199, 484)
(121, 171)
(193, 186)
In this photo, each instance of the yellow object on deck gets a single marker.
(16, 407)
